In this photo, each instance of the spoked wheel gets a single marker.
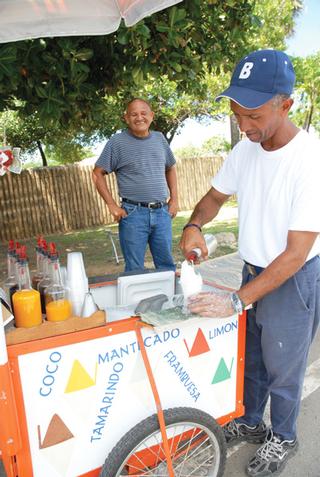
(197, 447)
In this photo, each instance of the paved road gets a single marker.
(306, 463)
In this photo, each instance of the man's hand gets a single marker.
(173, 207)
(211, 304)
(117, 212)
(192, 238)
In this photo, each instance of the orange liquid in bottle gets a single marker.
(58, 310)
(27, 308)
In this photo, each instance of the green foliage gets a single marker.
(74, 89)
(170, 105)
(62, 146)
(67, 152)
(308, 91)
(187, 152)
(275, 20)
(21, 133)
(64, 80)
(215, 146)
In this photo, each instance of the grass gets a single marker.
(97, 249)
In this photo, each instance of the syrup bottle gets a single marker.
(26, 301)
(58, 306)
(38, 275)
(46, 280)
(15, 259)
(211, 243)
(11, 279)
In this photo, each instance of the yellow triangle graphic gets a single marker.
(79, 378)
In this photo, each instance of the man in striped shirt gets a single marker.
(147, 183)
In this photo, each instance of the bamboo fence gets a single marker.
(60, 199)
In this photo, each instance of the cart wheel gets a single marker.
(197, 445)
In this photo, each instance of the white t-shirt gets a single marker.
(277, 191)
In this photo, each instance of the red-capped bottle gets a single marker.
(26, 301)
(211, 243)
(45, 281)
(15, 257)
(11, 260)
(58, 306)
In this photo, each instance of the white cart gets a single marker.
(67, 400)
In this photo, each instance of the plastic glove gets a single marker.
(211, 304)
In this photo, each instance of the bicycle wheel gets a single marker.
(197, 446)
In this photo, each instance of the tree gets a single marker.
(179, 59)
(275, 22)
(30, 134)
(66, 79)
(171, 106)
(308, 91)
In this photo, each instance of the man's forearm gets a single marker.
(281, 269)
(101, 185)
(171, 177)
(207, 208)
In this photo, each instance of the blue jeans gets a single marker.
(280, 329)
(145, 226)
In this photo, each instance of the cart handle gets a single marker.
(139, 325)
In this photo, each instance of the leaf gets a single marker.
(176, 15)
(84, 55)
(177, 67)
(162, 28)
(41, 92)
(8, 56)
(123, 38)
(137, 75)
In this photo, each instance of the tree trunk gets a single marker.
(169, 135)
(308, 119)
(234, 130)
(42, 154)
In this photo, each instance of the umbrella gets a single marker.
(26, 19)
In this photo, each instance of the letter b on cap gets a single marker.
(246, 70)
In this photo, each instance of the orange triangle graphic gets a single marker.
(200, 345)
(57, 432)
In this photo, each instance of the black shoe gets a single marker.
(236, 432)
(271, 458)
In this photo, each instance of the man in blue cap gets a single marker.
(275, 173)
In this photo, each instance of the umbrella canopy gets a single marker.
(26, 19)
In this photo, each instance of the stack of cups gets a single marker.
(77, 281)
(89, 306)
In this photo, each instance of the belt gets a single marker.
(149, 205)
(253, 269)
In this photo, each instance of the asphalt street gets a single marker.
(306, 463)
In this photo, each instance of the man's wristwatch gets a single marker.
(237, 303)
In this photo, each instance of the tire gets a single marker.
(197, 443)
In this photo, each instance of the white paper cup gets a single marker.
(76, 274)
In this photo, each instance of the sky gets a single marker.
(305, 41)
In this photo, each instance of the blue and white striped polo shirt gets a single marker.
(139, 165)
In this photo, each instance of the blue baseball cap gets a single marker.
(258, 77)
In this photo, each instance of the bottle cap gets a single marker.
(53, 250)
(193, 256)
